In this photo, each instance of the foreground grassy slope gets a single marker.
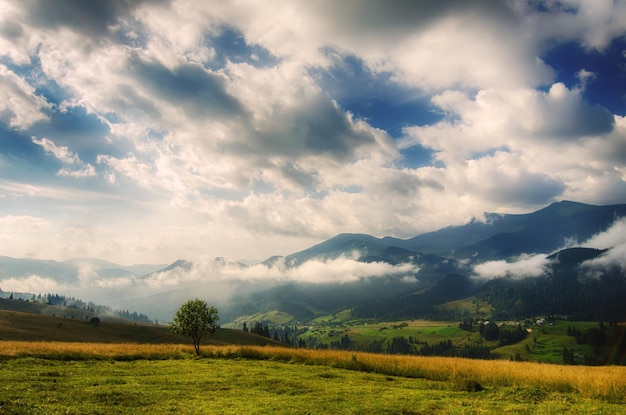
(16, 325)
(77, 379)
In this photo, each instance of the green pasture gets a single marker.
(546, 343)
(238, 386)
(422, 330)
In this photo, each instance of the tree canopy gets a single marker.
(195, 319)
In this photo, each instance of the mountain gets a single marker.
(447, 259)
(71, 270)
(379, 277)
(571, 285)
(502, 236)
(345, 244)
(499, 236)
(24, 267)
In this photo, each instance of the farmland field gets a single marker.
(89, 378)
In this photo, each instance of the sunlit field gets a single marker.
(44, 377)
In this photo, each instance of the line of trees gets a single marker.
(284, 335)
(58, 300)
(611, 338)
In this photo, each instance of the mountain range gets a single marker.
(499, 236)
(512, 265)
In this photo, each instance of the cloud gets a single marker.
(62, 153)
(26, 223)
(30, 284)
(20, 106)
(215, 131)
(339, 270)
(614, 240)
(522, 145)
(615, 235)
(524, 266)
(219, 279)
(512, 118)
(424, 45)
(509, 180)
(93, 18)
(198, 91)
(594, 24)
(65, 156)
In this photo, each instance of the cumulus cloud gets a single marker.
(524, 266)
(512, 118)
(522, 146)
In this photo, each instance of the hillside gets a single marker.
(568, 285)
(458, 262)
(32, 326)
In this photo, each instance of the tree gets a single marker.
(195, 319)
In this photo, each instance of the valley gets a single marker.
(476, 290)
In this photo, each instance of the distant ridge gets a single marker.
(543, 231)
(501, 236)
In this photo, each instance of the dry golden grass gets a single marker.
(75, 350)
(593, 382)
(603, 382)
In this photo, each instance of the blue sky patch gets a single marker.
(375, 97)
(608, 85)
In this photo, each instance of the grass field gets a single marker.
(362, 335)
(77, 378)
(54, 365)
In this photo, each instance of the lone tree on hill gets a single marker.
(195, 319)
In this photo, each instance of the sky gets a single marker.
(148, 131)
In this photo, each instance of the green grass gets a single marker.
(275, 316)
(236, 386)
(423, 330)
(546, 343)
(342, 316)
(472, 305)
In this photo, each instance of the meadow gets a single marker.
(97, 378)
(544, 342)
